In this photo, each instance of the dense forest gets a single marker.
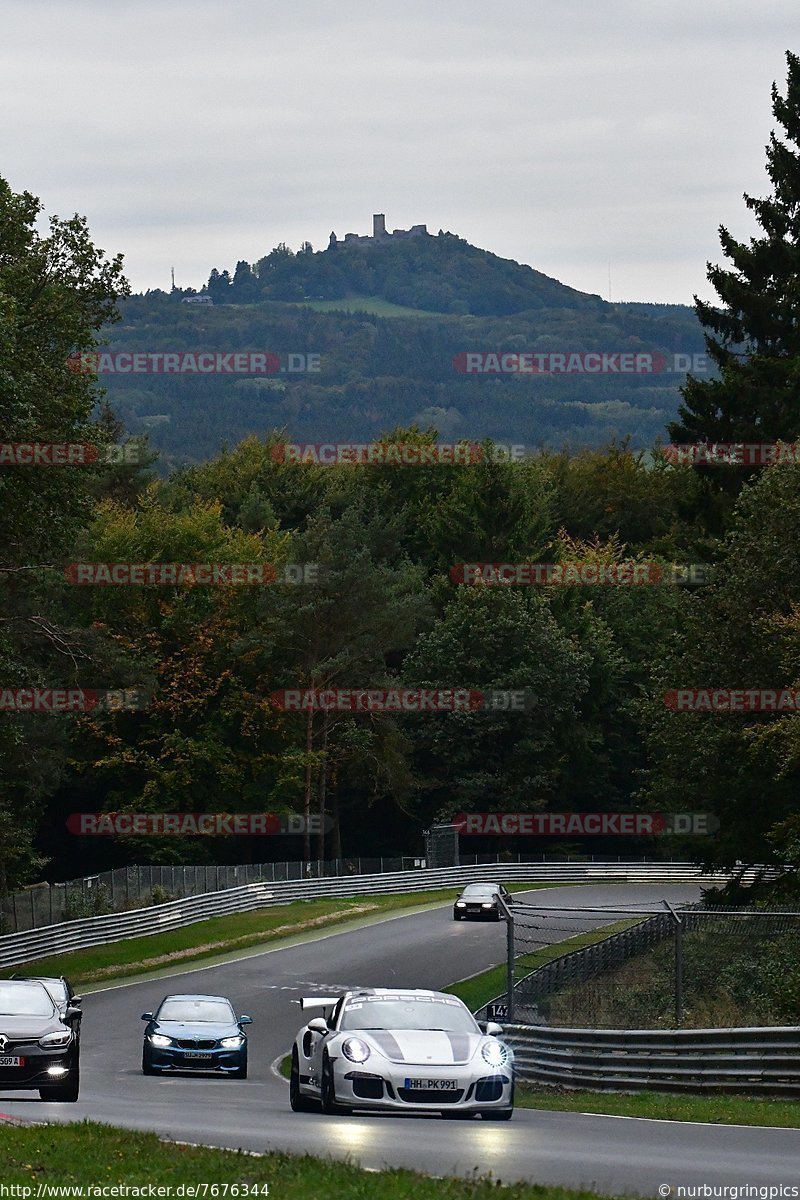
(389, 325)
(385, 607)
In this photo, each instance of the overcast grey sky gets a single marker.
(567, 134)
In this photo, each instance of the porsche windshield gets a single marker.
(408, 1014)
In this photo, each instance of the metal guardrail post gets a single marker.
(509, 916)
(678, 965)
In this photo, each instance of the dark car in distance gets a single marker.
(38, 1049)
(480, 900)
(195, 1033)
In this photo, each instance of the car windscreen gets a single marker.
(57, 990)
(369, 1013)
(25, 999)
(480, 891)
(210, 1012)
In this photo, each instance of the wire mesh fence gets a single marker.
(131, 887)
(138, 886)
(695, 965)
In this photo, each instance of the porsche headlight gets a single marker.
(232, 1043)
(494, 1053)
(57, 1040)
(158, 1039)
(356, 1050)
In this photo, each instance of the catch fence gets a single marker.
(702, 946)
(127, 888)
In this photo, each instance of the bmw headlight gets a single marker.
(232, 1043)
(356, 1050)
(55, 1041)
(488, 904)
(494, 1053)
(461, 904)
(158, 1039)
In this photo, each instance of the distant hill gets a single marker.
(390, 324)
(442, 274)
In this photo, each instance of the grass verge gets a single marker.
(478, 990)
(89, 1153)
(219, 936)
(667, 1106)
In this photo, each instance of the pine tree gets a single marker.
(754, 339)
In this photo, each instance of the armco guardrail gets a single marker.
(747, 1060)
(18, 948)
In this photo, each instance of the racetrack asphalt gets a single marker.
(611, 1155)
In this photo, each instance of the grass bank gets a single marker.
(666, 1106)
(220, 936)
(478, 990)
(88, 1153)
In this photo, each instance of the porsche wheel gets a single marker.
(298, 1102)
(328, 1091)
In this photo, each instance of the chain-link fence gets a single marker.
(694, 965)
(138, 886)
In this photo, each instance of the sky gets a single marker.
(603, 142)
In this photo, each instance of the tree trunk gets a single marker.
(323, 788)
(309, 779)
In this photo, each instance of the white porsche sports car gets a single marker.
(400, 1051)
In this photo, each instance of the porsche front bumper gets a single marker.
(400, 1087)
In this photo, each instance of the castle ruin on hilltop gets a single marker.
(379, 234)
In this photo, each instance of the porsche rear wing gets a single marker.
(318, 1001)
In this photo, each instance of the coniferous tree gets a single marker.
(754, 338)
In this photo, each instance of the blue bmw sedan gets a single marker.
(195, 1033)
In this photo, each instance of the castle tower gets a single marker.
(378, 225)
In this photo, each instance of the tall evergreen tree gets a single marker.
(754, 338)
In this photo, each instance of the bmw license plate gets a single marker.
(431, 1085)
(196, 1054)
(12, 1060)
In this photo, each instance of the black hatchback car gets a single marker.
(480, 900)
(195, 1033)
(38, 1049)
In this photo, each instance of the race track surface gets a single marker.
(607, 1154)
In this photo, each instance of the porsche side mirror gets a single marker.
(245, 1020)
(493, 1029)
(318, 1025)
(147, 1016)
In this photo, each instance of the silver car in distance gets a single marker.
(400, 1051)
